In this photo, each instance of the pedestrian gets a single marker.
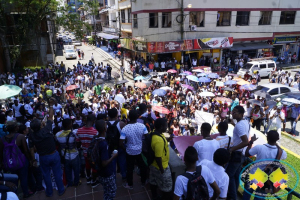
(239, 140)
(78, 52)
(82, 54)
(122, 71)
(109, 72)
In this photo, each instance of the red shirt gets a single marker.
(86, 135)
(151, 66)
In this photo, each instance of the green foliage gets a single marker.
(106, 88)
(91, 40)
(33, 68)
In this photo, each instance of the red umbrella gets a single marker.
(72, 87)
(161, 109)
(140, 85)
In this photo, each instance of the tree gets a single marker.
(21, 25)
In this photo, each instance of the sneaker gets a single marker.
(127, 186)
(95, 184)
(88, 180)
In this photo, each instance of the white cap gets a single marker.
(278, 99)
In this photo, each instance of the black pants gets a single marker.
(130, 161)
(257, 124)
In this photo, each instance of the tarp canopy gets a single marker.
(250, 46)
(107, 36)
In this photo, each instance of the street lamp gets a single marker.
(189, 5)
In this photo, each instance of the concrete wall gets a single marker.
(210, 29)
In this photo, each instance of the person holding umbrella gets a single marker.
(256, 117)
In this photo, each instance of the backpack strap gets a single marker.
(229, 143)
(3, 195)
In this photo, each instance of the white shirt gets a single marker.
(276, 120)
(17, 110)
(241, 128)
(219, 174)
(163, 65)
(223, 141)
(134, 134)
(181, 182)
(58, 107)
(248, 111)
(206, 149)
(28, 108)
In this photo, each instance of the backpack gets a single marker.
(197, 188)
(22, 110)
(112, 135)
(147, 151)
(148, 122)
(13, 158)
(258, 78)
(93, 153)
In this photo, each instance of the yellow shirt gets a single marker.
(147, 97)
(160, 149)
(123, 112)
(177, 66)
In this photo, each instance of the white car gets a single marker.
(275, 89)
(70, 53)
(265, 68)
(76, 43)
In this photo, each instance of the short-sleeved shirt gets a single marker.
(241, 128)
(221, 177)
(223, 141)
(181, 183)
(28, 108)
(98, 89)
(104, 155)
(85, 135)
(133, 133)
(161, 150)
(62, 137)
(206, 149)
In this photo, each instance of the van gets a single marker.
(264, 67)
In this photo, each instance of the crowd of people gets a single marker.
(50, 123)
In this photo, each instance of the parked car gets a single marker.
(275, 89)
(76, 43)
(265, 68)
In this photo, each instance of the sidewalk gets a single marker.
(290, 65)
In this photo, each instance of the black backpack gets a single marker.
(197, 188)
(22, 110)
(93, 154)
(148, 122)
(112, 135)
(147, 150)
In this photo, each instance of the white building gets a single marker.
(268, 25)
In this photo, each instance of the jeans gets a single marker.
(109, 75)
(133, 74)
(72, 167)
(23, 177)
(121, 160)
(131, 160)
(236, 67)
(49, 162)
(293, 125)
(233, 170)
(35, 178)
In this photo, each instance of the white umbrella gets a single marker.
(120, 98)
(291, 100)
(166, 88)
(219, 83)
(207, 94)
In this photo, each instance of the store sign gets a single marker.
(216, 43)
(140, 46)
(160, 47)
(109, 30)
(188, 45)
(278, 40)
(172, 46)
(151, 47)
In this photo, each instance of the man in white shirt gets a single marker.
(57, 107)
(28, 108)
(247, 114)
(239, 140)
(16, 108)
(163, 65)
(207, 146)
(221, 158)
(190, 159)
(276, 118)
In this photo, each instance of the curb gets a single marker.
(290, 137)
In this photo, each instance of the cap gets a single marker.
(219, 93)
(278, 99)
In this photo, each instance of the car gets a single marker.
(275, 89)
(293, 95)
(265, 68)
(70, 53)
(76, 43)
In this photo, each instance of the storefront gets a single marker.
(250, 49)
(283, 46)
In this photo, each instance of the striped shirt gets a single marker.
(72, 151)
(86, 135)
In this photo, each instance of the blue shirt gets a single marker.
(104, 155)
(295, 112)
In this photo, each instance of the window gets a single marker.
(123, 16)
(284, 90)
(271, 65)
(274, 91)
(197, 18)
(265, 18)
(262, 66)
(129, 15)
(224, 18)
(166, 20)
(135, 21)
(153, 20)
(242, 18)
(287, 17)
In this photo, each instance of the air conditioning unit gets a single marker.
(193, 27)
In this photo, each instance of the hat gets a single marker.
(216, 111)
(219, 93)
(103, 91)
(155, 95)
(278, 99)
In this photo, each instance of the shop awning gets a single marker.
(250, 46)
(107, 36)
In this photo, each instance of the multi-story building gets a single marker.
(256, 27)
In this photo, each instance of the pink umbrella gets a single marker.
(188, 72)
(72, 87)
(161, 109)
(173, 71)
(187, 86)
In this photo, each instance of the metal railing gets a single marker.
(289, 196)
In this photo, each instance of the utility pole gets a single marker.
(120, 34)
(181, 27)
